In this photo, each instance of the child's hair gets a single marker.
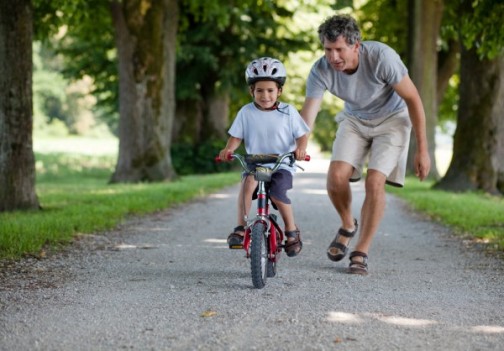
(265, 68)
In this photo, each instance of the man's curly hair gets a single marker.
(339, 25)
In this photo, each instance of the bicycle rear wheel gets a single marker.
(272, 265)
(259, 255)
(271, 269)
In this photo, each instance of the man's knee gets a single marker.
(338, 176)
(375, 182)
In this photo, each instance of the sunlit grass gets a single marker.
(75, 197)
(475, 215)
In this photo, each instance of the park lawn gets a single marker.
(472, 215)
(76, 198)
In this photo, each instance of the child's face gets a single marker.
(265, 93)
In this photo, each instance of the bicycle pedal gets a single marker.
(236, 247)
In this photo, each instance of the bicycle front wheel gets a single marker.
(259, 255)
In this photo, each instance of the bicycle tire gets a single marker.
(271, 269)
(259, 255)
(272, 265)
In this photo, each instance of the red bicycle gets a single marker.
(263, 240)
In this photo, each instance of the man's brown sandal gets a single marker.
(358, 266)
(336, 245)
(293, 248)
(235, 239)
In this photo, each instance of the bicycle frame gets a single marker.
(274, 232)
(263, 236)
(263, 215)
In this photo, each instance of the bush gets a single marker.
(199, 159)
(325, 130)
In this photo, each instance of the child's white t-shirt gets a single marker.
(269, 132)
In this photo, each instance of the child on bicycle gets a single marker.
(268, 126)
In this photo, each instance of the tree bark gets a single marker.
(218, 115)
(17, 162)
(478, 141)
(425, 22)
(202, 120)
(146, 42)
(448, 62)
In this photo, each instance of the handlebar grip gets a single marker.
(218, 159)
(307, 158)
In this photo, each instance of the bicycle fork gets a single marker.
(263, 216)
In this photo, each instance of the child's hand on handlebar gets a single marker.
(300, 154)
(225, 155)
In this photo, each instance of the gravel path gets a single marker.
(168, 282)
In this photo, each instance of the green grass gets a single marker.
(76, 198)
(476, 216)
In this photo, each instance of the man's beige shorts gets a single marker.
(384, 142)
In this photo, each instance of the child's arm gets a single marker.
(301, 145)
(231, 146)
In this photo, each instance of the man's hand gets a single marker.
(422, 165)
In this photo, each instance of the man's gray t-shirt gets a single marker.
(269, 132)
(368, 93)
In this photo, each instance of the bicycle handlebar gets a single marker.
(278, 163)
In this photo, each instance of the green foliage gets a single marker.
(449, 106)
(76, 199)
(199, 159)
(325, 131)
(471, 214)
(479, 24)
(215, 48)
(60, 106)
(386, 21)
(85, 41)
(48, 86)
(216, 40)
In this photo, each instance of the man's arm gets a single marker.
(310, 110)
(407, 90)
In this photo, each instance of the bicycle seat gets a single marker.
(261, 158)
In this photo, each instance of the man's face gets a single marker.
(342, 56)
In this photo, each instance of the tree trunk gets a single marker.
(477, 143)
(500, 145)
(17, 162)
(425, 22)
(146, 42)
(188, 121)
(448, 62)
(199, 121)
(218, 116)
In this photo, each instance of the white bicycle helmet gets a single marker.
(266, 68)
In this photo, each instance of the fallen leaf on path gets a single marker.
(208, 313)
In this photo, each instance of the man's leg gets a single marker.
(338, 189)
(372, 210)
